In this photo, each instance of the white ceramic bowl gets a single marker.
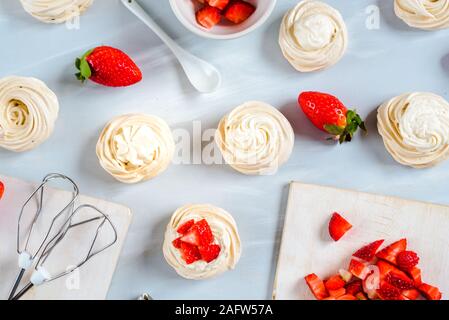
(185, 12)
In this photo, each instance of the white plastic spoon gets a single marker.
(203, 76)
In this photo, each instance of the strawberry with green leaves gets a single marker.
(330, 115)
(108, 66)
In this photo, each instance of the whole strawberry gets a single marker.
(109, 67)
(327, 113)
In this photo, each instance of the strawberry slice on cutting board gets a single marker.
(338, 226)
(317, 286)
(391, 252)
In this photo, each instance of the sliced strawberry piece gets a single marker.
(238, 11)
(412, 294)
(368, 252)
(389, 292)
(338, 226)
(220, 4)
(384, 268)
(189, 253)
(2, 189)
(210, 252)
(406, 260)
(430, 292)
(208, 16)
(391, 252)
(185, 226)
(347, 297)
(177, 243)
(334, 283)
(361, 296)
(359, 269)
(345, 275)
(316, 285)
(354, 287)
(337, 292)
(400, 281)
(415, 274)
(192, 237)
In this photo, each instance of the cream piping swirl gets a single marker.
(226, 235)
(423, 14)
(255, 138)
(313, 36)
(55, 11)
(415, 128)
(28, 112)
(135, 147)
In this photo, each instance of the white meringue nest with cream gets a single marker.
(226, 235)
(313, 36)
(415, 128)
(28, 112)
(423, 14)
(135, 147)
(55, 11)
(255, 138)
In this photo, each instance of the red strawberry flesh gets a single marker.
(185, 226)
(391, 252)
(334, 283)
(359, 269)
(219, 4)
(368, 252)
(239, 11)
(406, 260)
(210, 252)
(208, 16)
(189, 253)
(2, 189)
(316, 286)
(338, 226)
(430, 292)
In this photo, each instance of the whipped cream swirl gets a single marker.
(415, 128)
(28, 112)
(423, 14)
(135, 147)
(313, 36)
(55, 11)
(255, 138)
(226, 235)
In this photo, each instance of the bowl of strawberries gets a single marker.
(222, 19)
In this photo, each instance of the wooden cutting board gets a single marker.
(92, 280)
(307, 248)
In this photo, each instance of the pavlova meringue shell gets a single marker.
(423, 14)
(226, 235)
(135, 147)
(313, 36)
(55, 11)
(415, 128)
(255, 138)
(28, 112)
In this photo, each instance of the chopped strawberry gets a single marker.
(200, 234)
(411, 294)
(177, 243)
(368, 252)
(2, 189)
(347, 297)
(185, 227)
(337, 292)
(391, 252)
(361, 296)
(238, 11)
(430, 292)
(210, 252)
(384, 268)
(389, 292)
(354, 287)
(189, 253)
(415, 274)
(208, 16)
(334, 283)
(338, 226)
(359, 269)
(406, 260)
(329, 298)
(316, 285)
(400, 281)
(220, 4)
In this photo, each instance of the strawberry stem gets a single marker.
(345, 134)
(83, 66)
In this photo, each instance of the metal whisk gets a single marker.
(42, 274)
(60, 219)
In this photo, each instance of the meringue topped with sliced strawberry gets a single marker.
(201, 241)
